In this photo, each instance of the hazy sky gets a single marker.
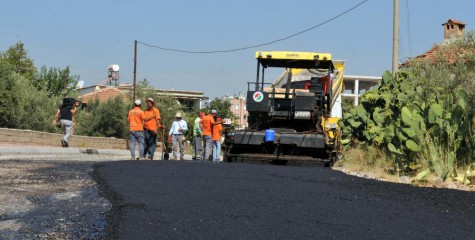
(91, 35)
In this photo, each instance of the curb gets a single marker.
(36, 151)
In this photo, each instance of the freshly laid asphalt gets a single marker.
(197, 200)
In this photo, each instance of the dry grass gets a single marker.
(371, 162)
(374, 164)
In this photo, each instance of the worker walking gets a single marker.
(197, 140)
(177, 131)
(151, 125)
(136, 121)
(217, 130)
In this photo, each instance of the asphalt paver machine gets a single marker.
(295, 118)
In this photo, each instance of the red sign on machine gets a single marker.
(258, 97)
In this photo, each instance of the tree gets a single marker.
(222, 105)
(18, 58)
(56, 81)
(143, 90)
(22, 105)
(103, 119)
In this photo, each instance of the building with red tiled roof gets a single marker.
(189, 99)
(102, 94)
(453, 30)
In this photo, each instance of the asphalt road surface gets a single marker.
(196, 200)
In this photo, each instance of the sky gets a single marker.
(90, 35)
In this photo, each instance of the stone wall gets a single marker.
(29, 137)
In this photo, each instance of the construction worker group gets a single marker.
(145, 126)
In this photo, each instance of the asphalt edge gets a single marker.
(115, 216)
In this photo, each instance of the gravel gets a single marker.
(50, 199)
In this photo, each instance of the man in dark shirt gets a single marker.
(65, 114)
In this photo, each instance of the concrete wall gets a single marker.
(29, 137)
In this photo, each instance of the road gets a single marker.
(196, 200)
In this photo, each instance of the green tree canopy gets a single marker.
(56, 81)
(103, 119)
(18, 58)
(222, 105)
(22, 105)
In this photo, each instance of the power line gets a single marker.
(257, 45)
(408, 27)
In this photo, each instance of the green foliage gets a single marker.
(22, 106)
(222, 105)
(17, 57)
(106, 119)
(56, 81)
(420, 116)
(401, 123)
(143, 91)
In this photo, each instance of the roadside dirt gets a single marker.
(431, 182)
(50, 200)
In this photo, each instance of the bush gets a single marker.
(22, 105)
(420, 117)
(106, 119)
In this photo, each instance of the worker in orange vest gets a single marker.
(136, 120)
(207, 123)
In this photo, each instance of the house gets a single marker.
(189, 99)
(453, 30)
(238, 108)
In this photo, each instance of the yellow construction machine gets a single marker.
(295, 118)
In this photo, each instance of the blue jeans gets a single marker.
(150, 143)
(136, 136)
(217, 150)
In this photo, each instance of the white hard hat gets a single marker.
(138, 102)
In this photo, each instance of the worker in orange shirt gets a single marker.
(217, 130)
(136, 120)
(207, 123)
(151, 125)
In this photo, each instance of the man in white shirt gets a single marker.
(179, 127)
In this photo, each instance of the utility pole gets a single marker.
(396, 37)
(135, 67)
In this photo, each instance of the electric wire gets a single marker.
(408, 27)
(257, 45)
(402, 52)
